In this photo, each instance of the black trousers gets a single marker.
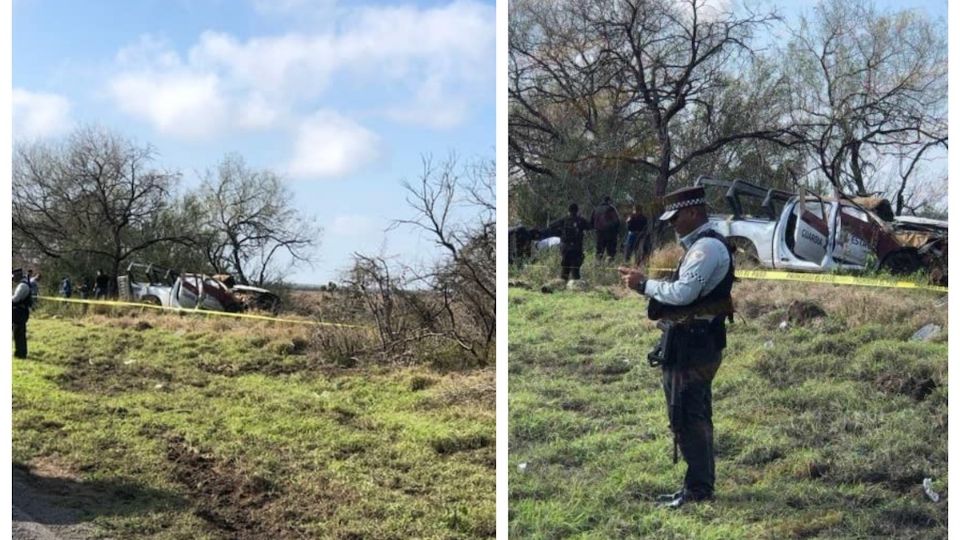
(570, 262)
(20, 339)
(607, 242)
(693, 417)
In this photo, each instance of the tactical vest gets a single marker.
(717, 302)
(571, 233)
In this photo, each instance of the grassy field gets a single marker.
(822, 430)
(159, 426)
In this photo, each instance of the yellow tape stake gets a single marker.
(195, 310)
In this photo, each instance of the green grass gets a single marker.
(821, 431)
(189, 428)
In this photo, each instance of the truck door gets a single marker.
(810, 233)
(187, 291)
(854, 242)
(860, 236)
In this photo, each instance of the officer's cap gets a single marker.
(682, 198)
(17, 273)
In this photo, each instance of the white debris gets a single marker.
(783, 325)
(926, 333)
(768, 344)
(928, 489)
(158, 386)
(577, 285)
(522, 466)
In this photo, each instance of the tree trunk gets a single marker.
(857, 169)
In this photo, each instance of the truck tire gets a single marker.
(745, 253)
(269, 303)
(151, 300)
(902, 262)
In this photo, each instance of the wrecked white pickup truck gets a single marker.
(151, 284)
(807, 232)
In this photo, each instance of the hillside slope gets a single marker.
(825, 429)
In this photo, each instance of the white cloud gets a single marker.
(39, 115)
(291, 6)
(434, 61)
(430, 107)
(330, 145)
(180, 103)
(356, 225)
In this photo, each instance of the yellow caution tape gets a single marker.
(835, 279)
(196, 310)
(780, 275)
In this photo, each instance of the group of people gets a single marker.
(569, 231)
(26, 293)
(101, 287)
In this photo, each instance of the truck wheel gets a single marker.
(269, 303)
(745, 254)
(151, 300)
(901, 262)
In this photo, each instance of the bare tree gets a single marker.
(250, 223)
(96, 197)
(457, 209)
(636, 89)
(868, 86)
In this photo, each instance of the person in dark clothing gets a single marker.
(636, 230)
(520, 241)
(85, 288)
(570, 230)
(690, 309)
(100, 285)
(22, 300)
(606, 221)
(66, 287)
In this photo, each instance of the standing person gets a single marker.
(606, 221)
(22, 300)
(85, 288)
(100, 284)
(570, 230)
(636, 228)
(691, 309)
(66, 288)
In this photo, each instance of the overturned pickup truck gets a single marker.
(807, 232)
(160, 286)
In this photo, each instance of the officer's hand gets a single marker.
(631, 277)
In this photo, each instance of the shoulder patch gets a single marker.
(697, 255)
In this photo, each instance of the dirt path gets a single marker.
(36, 516)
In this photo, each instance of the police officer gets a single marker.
(691, 308)
(22, 300)
(606, 221)
(570, 230)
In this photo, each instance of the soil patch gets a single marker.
(242, 505)
(106, 377)
(225, 497)
(801, 312)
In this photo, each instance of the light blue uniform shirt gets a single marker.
(704, 266)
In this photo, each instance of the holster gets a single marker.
(20, 314)
(686, 344)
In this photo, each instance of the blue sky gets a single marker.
(342, 98)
